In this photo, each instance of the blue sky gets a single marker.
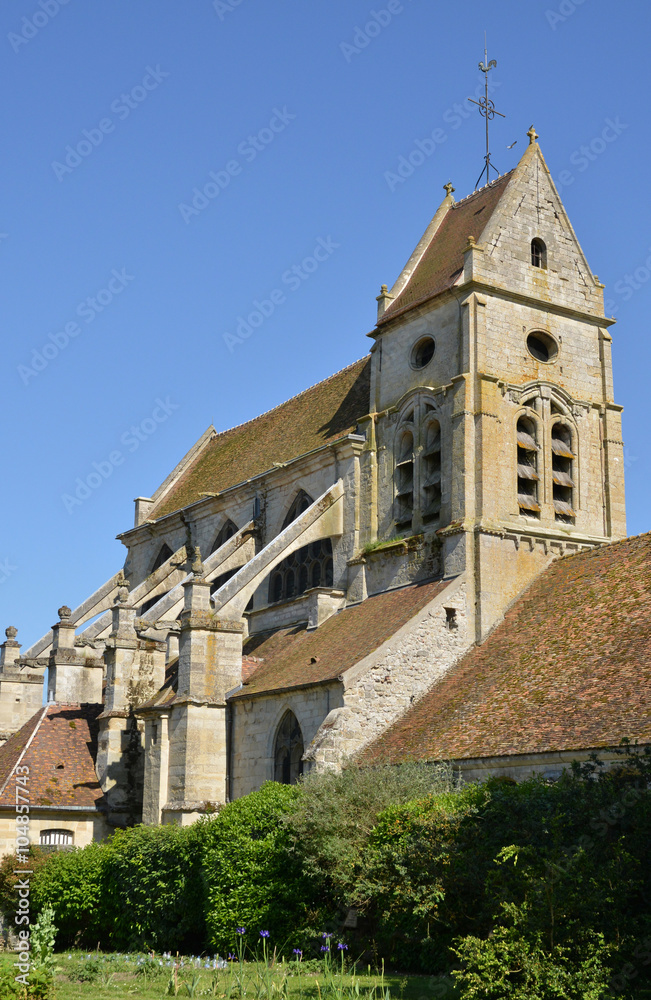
(118, 291)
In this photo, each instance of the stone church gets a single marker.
(422, 557)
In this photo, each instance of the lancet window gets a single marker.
(227, 530)
(563, 459)
(528, 474)
(538, 253)
(310, 566)
(163, 555)
(417, 471)
(288, 750)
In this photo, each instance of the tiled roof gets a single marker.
(291, 657)
(61, 757)
(442, 262)
(569, 668)
(325, 412)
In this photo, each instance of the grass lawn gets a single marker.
(101, 976)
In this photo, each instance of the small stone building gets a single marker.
(330, 580)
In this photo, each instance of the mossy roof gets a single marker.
(568, 668)
(317, 416)
(442, 262)
(296, 656)
(59, 746)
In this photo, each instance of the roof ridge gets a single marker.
(265, 413)
(26, 747)
(492, 183)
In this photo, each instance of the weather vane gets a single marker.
(487, 111)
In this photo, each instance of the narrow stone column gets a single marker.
(210, 665)
(73, 679)
(21, 687)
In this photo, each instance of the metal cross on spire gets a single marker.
(487, 111)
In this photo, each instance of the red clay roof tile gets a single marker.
(569, 668)
(293, 657)
(61, 757)
(442, 262)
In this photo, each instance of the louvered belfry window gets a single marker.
(563, 459)
(431, 472)
(528, 475)
(404, 477)
(417, 467)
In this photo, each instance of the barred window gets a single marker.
(563, 458)
(56, 838)
(527, 471)
(288, 750)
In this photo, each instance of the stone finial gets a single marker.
(11, 633)
(197, 562)
(64, 613)
(122, 596)
(448, 189)
(533, 135)
(470, 244)
(383, 300)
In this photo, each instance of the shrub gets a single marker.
(253, 877)
(331, 820)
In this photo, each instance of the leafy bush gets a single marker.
(331, 820)
(153, 878)
(253, 877)
(73, 883)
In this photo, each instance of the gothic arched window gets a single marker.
(563, 473)
(288, 750)
(528, 478)
(417, 472)
(538, 253)
(163, 555)
(311, 566)
(405, 478)
(431, 471)
(227, 530)
(301, 502)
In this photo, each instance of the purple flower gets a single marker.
(240, 930)
(342, 947)
(264, 933)
(232, 958)
(297, 951)
(325, 947)
(324, 935)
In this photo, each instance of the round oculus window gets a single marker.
(541, 346)
(422, 352)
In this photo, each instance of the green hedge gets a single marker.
(539, 889)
